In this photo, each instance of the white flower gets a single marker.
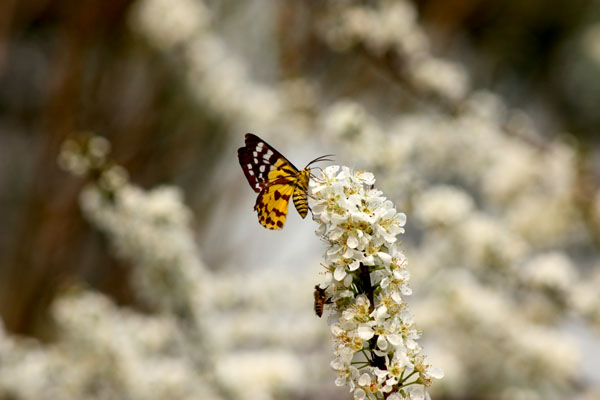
(359, 394)
(439, 76)
(443, 205)
(251, 374)
(365, 332)
(436, 373)
(169, 23)
(551, 270)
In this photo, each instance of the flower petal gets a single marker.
(365, 332)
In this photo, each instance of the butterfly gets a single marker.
(275, 179)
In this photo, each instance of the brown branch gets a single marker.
(365, 284)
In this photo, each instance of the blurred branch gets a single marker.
(586, 190)
(49, 224)
(7, 8)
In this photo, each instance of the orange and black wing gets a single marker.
(272, 204)
(257, 159)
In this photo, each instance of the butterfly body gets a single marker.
(275, 179)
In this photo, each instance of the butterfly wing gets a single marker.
(257, 159)
(272, 204)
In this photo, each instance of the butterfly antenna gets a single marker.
(319, 159)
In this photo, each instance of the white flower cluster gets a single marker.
(375, 340)
(497, 209)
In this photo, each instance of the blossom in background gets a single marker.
(207, 335)
(103, 351)
(375, 339)
(149, 228)
(487, 219)
(389, 30)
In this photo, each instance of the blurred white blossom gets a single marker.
(169, 24)
(392, 25)
(104, 352)
(387, 27)
(433, 75)
(553, 271)
(443, 205)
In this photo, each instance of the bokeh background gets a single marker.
(480, 121)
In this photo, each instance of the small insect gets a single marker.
(276, 180)
(320, 300)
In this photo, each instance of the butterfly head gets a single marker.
(316, 160)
